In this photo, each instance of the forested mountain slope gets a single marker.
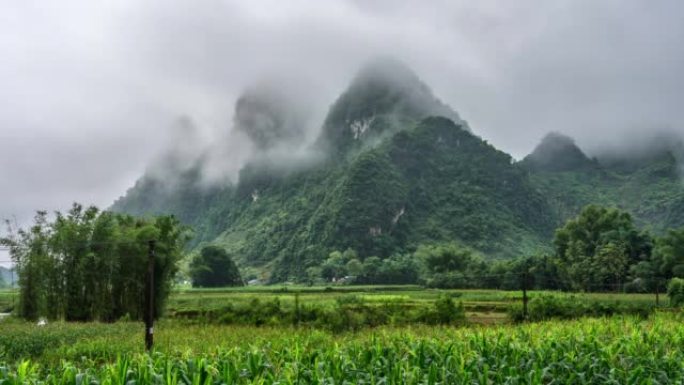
(394, 167)
(645, 181)
(434, 182)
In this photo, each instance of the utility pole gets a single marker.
(524, 299)
(14, 294)
(297, 313)
(149, 298)
(524, 289)
(657, 288)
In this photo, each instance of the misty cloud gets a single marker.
(92, 91)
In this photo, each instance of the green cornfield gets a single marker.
(617, 350)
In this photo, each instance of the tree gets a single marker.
(597, 248)
(675, 290)
(90, 265)
(336, 266)
(370, 271)
(354, 267)
(611, 263)
(398, 269)
(28, 249)
(645, 278)
(444, 258)
(668, 256)
(214, 267)
(449, 266)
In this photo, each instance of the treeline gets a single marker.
(599, 250)
(88, 264)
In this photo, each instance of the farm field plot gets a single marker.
(481, 306)
(617, 350)
(380, 339)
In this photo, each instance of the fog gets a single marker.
(94, 94)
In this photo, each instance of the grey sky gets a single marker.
(90, 89)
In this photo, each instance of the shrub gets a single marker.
(214, 267)
(444, 312)
(675, 290)
(545, 307)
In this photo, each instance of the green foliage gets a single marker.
(675, 290)
(433, 182)
(650, 188)
(545, 307)
(557, 153)
(398, 169)
(348, 312)
(618, 350)
(91, 265)
(669, 254)
(450, 266)
(597, 247)
(214, 267)
(445, 312)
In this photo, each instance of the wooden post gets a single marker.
(524, 290)
(297, 314)
(149, 298)
(13, 291)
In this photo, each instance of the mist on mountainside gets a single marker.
(272, 121)
(389, 175)
(275, 127)
(385, 96)
(557, 152)
(628, 153)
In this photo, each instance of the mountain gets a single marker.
(644, 179)
(557, 152)
(399, 168)
(269, 118)
(393, 168)
(384, 98)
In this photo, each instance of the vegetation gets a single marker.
(343, 313)
(395, 169)
(675, 290)
(545, 307)
(598, 247)
(89, 265)
(408, 180)
(214, 267)
(404, 195)
(669, 254)
(646, 182)
(600, 250)
(341, 308)
(608, 350)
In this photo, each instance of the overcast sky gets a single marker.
(89, 90)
